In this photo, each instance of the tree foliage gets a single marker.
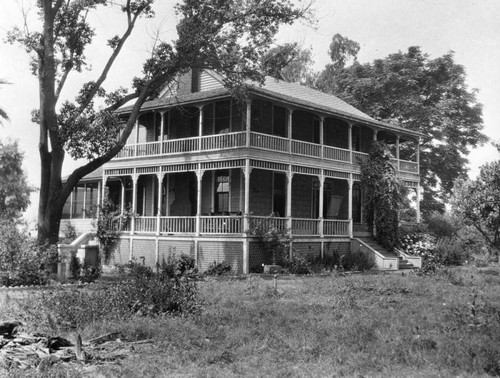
(421, 94)
(384, 195)
(228, 36)
(14, 188)
(477, 202)
(289, 62)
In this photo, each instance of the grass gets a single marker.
(375, 325)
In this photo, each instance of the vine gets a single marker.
(384, 195)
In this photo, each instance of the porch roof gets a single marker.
(292, 94)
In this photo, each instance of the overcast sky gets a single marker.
(470, 28)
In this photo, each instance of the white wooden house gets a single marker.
(202, 169)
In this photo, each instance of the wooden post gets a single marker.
(349, 141)
(289, 176)
(350, 183)
(246, 219)
(290, 129)
(321, 203)
(248, 122)
(322, 135)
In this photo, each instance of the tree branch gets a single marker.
(107, 67)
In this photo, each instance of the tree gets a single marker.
(14, 189)
(289, 62)
(3, 113)
(384, 195)
(421, 94)
(228, 36)
(477, 203)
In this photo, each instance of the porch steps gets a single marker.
(403, 263)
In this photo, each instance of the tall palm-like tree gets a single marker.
(3, 113)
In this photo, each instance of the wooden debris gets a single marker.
(25, 351)
(8, 328)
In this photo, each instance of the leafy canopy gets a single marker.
(14, 189)
(477, 202)
(420, 94)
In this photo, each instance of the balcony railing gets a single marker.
(257, 140)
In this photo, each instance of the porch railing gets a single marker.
(408, 166)
(269, 142)
(221, 224)
(335, 227)
(145, 224)
(221, 141)
(306, 148)
(233, 224)
(302, 226)
(334, 153)
(258, 140)
(178, 225)
(267, 223)
(180, 145)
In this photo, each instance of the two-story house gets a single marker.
(202, 169)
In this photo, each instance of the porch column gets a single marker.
(135, 179)
(246, 218)
(199, 178)
(162, 130)
(200, 125)
(248, 122)
(375, 132)
(289, 176)
(419, 140)
(290, 128)
(159, 203)
(349, 141)
(350, 184)
(99, 198)
(122, 202)
(321, 203)
(84, 204)
(322, 134)
(418, 204)
(397, 151)
(71, 204)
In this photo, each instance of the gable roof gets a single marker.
(292, 94)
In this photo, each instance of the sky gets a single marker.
(469, 28)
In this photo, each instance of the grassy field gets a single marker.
(370, 325)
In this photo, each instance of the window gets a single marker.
(222, 192)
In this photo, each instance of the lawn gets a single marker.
(375, 325)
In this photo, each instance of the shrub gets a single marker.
(174, 266)
(274, 242)
(84, 272)
(218, 268)
(441, 225)
(22, 261)
(357, 261)
(142, 294)
(298, 264)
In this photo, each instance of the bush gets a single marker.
(174, 266)
(22, 261)
(298, 264)
(218, 268)
(357, 261)
(142, 294)
(442, 225)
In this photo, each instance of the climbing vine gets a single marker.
(384, 195)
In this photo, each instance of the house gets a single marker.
(202, 169)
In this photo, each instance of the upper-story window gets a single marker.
(269, 118)
(222, 192)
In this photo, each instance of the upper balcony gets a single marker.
(261, 129)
